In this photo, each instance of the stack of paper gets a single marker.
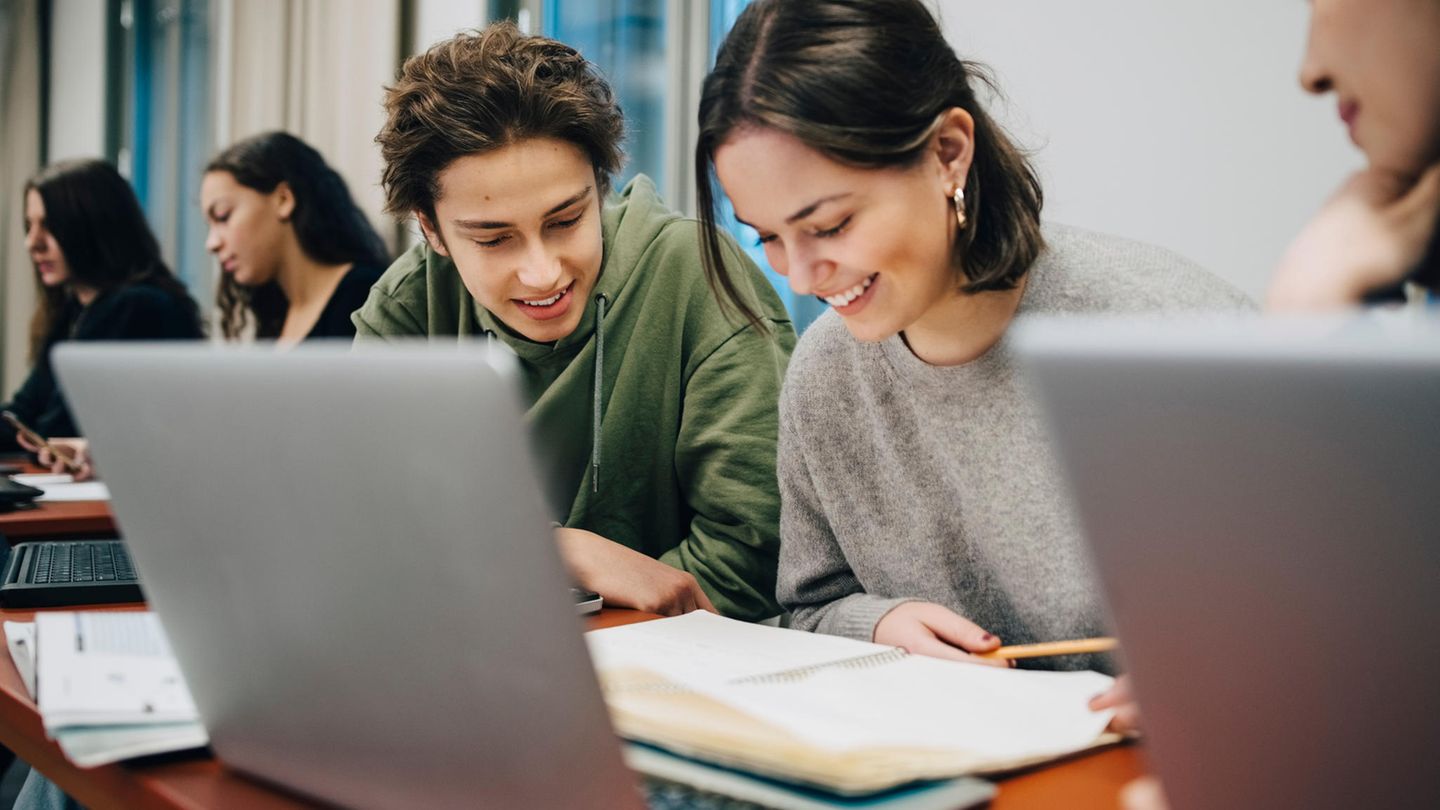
(106, 684)
(64, 487)
(847, 716)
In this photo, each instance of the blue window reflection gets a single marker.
(804, 309)
(626, 40)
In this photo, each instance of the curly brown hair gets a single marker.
(482, 90)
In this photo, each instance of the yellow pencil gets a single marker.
(1077, 647)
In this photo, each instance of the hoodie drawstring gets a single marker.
(600, 303)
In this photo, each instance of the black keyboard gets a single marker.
(61, 573)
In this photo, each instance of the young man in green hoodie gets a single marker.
(654, 410)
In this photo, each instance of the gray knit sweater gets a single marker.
(904, 481)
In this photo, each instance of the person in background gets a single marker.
(921, 504)
(654, 413)
(100, 277)
(296, 255)
(1381, 60)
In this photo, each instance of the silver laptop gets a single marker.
(349, 554)
(1263, 502)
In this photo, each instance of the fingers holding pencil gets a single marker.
(1118, 697)
(1084, 646)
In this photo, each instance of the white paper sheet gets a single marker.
(64, 487)
(20, 639)
(926, 702)
(100, 745)
(98, 668)
(891, 700)
(702, 646)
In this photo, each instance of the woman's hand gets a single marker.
(627, 578)
(1118, 697)
(74, 456)
(1370, 235)
(929, 629)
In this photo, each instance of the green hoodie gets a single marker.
(686, 412)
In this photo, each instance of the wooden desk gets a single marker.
(193, 782)
(62, 520)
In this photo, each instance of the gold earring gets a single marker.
(959, 199)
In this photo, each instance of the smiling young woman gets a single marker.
(921, 504)
(655, 413)
(297, 255)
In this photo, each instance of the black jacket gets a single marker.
(135, 312)
(349, 295)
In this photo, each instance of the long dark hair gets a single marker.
(864, 83)
(94, 216)
(330, 227)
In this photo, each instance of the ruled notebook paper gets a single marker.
(841, 695)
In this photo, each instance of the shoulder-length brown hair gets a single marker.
(863, 82)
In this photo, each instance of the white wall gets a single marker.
(436, 20)
(77, 80)
(1181, 124)
(318, 69)
(19, 159)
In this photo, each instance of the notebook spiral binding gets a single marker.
(664, 687)
(801, 673)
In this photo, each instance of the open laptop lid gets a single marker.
(350, 556)
(1263, 500)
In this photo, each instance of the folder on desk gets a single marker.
(107, 686)
(847, 716)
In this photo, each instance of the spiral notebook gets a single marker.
(847, 716)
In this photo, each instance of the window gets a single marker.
(803, 309)
(626, 39)
(641, 46)
(160, 123)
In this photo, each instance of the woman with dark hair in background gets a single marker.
(921, 506)
(100, 276)
(296, 254)
(1381, 59)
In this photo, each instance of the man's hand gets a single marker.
(627, 578)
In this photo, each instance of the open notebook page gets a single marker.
(929, 703)
(910, 701)
(703, 647)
